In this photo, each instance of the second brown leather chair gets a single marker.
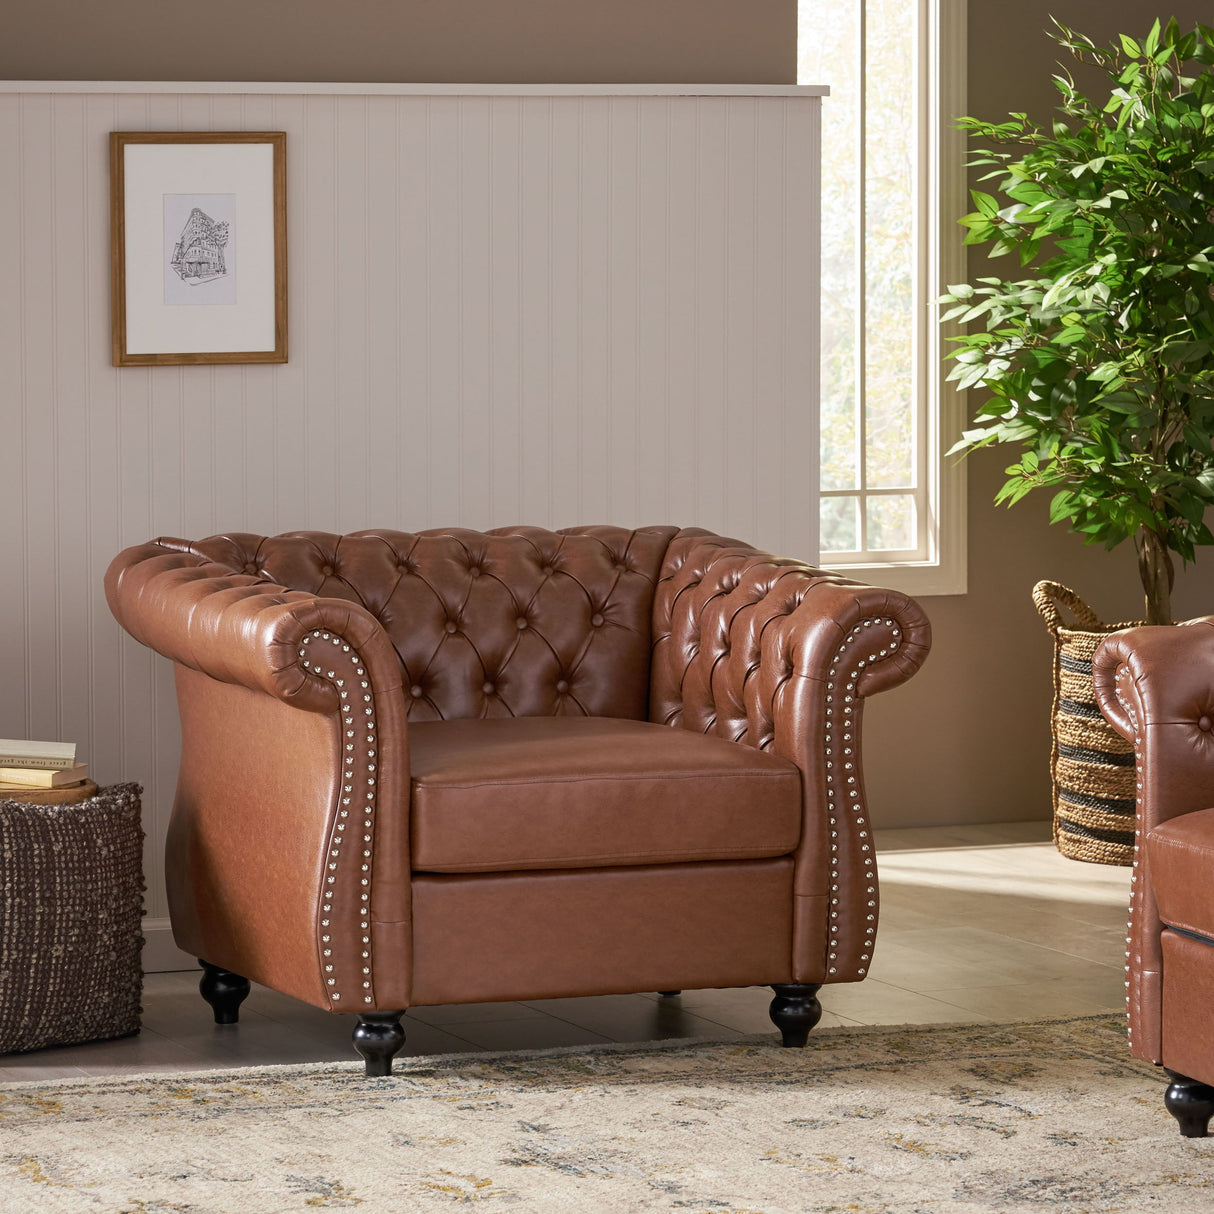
(1156, 685)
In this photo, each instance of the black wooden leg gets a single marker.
(668, 994)
(1191, 1103)
(377, 1036)
(223, 990)
(795, 1010)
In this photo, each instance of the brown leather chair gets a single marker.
(1156, 685)
(459, 766)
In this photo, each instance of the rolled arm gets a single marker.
(1155, 685)
(779, 655)
(276, 810)
(237, 627)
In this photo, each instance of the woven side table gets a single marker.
(71, 899)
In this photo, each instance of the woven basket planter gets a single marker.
(71, 897)
(1091, 764)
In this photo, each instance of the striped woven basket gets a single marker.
(1091, 764)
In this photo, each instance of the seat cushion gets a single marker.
(1180, 859)
(560, 792)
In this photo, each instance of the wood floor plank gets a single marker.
(977, 922)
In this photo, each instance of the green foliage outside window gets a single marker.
(1100, 365)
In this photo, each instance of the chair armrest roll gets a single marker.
(239, 628)
(779, 655)
(1155, 685)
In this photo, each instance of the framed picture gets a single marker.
(198, 247)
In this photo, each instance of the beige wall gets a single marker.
(424, 41)
(968, 739)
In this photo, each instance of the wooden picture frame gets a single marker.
(198, 223)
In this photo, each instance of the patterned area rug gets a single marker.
(934, 1120)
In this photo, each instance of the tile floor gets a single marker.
(977, 923)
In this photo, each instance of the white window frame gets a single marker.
(940, 564)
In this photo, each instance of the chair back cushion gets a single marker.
(518, 621)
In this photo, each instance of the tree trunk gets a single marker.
(1157, 574)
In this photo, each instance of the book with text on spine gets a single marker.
(34, 777)
(53, 756)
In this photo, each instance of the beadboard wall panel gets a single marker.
(552, 309)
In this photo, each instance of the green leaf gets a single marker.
(1099, 368)
(986, 204)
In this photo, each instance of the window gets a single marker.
(893, 186)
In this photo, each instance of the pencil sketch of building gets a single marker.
(198, 253)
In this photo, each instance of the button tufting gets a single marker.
(562, 685)
(596, 620)
(1205, 724)
(415, 691)
(520, 623)
(474, 570)
(327, 570)
(488, 688)
(451, 626)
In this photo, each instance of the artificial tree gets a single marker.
(1101, 364)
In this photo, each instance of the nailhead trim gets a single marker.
(845, 806)
(318, 659)
(1121, 687)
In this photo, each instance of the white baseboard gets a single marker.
(160, 954)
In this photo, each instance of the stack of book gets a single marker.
(26, 764)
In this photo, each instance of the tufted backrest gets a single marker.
(517, 621)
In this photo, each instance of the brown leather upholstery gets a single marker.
(514, 622)
(543, 935)
(556, 792)
(1156, 685)
(1180, 859)
(460, 765)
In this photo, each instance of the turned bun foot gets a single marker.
(377, 1037)
(795, 1010)
(1191, 1103)
(223, 990)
